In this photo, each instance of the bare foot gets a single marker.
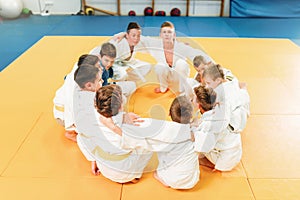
(205, 162)
(95, 169)
(157, 90)
(161, 181)
(71, 135)
(135, 180)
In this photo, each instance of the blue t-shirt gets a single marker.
(106, 75)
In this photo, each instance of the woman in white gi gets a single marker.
(63, 100)
(178, 166)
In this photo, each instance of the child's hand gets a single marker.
(243, 85)
(132, 118)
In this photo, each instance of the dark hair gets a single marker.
(108, 100)
(81, 59)
(181, 110)
(214, 71)
(87, 59)
(84, 74)
(108, 49)
(133, 25)
(206, 97)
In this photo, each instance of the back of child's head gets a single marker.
(108, 100)
(214, 71)
(85, 73)
(108, 49)
(198, 60)
(206, 97)
(133, 25)
(181, 110)
(88, 59)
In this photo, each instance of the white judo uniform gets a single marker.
(63, 101)
(227, 74)
(178, 162)
(100, 144)
(234, 104)
(176, 76)
(126, 66)
(218, 135)
(218, 144)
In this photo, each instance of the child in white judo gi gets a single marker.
(63, 100)
(98, 138)
(199, 64)
(88, 80)
(218, 142)
(110, 75)
(172, 57)
(232, 96)
(126, 66)
(122, 165)
(178, 166)
(172, 68)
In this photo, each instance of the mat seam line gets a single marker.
(22, 143)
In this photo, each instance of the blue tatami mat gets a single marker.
(17, 35)
(94, 25)
(265, 27)
(209, 27)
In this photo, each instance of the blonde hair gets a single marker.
(167, 24)
(214, 71)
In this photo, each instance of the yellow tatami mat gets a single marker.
(38, 162)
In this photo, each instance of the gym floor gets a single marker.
(38, 162)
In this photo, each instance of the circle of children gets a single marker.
(120, 144)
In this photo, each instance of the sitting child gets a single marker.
(233, 97)
(108, 54)
(63, 100)
(99, 138)
(178, 166)
(200, 64)
(220, 147)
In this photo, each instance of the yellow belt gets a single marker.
(98, 151)
(107, 156)
(59, 108)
